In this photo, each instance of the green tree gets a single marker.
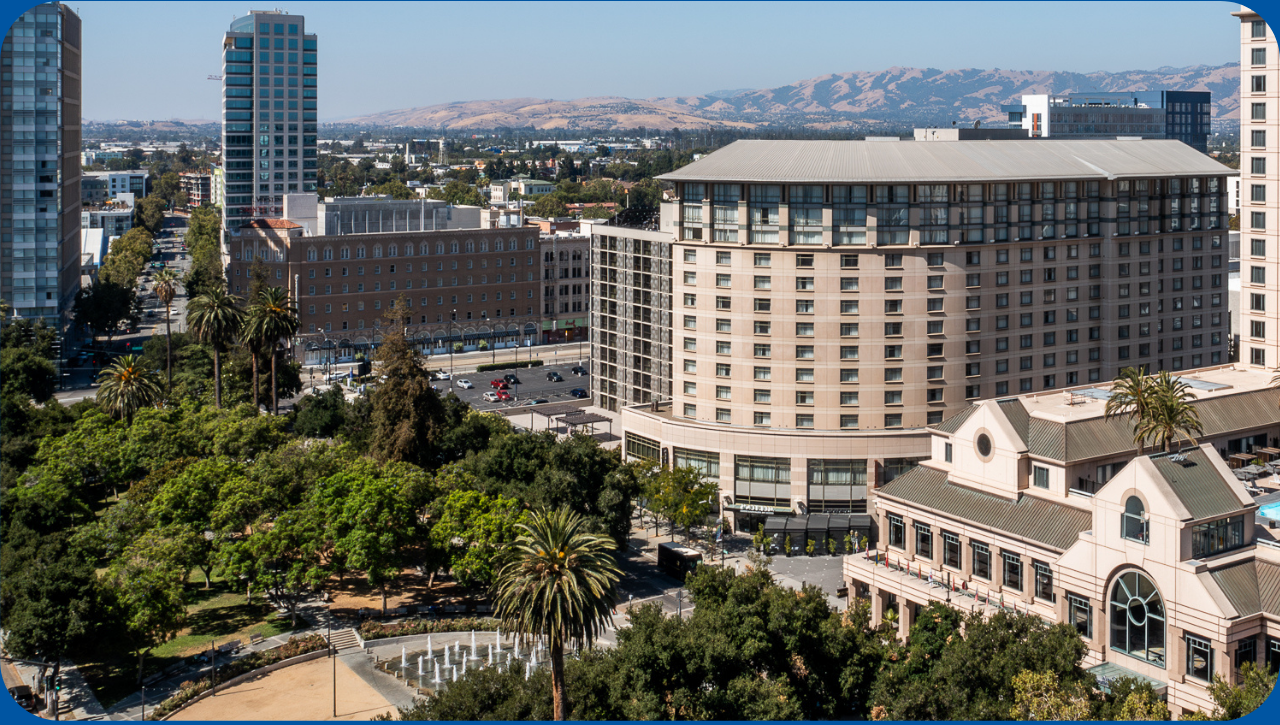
(407, 415)
(102, 306)
(474, 528)
(596, 211)
(216, 317)
(1171, 413)
(149, 213)
(1039, 696)
(548, 207)
(1132, 396)
(684, 497)
(321, 415)
(204, 240)
(458, 193)
(126, 386)
(26, 374)
(1231, 702)
(166, 289)
(167, 187)
(393, 188)
(557, 583)
(146, 595)
(38, 336)
(272, 317)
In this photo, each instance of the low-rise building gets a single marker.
(93, 190)
(113, 217)
(1165, 564)
(122, 182)
(1181, 115)
(198, 187)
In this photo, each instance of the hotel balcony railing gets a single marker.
(1086, 486)
(882, 569)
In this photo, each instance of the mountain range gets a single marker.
(855, 100)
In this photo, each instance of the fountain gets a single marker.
(438, 668)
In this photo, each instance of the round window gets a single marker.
(984, 445)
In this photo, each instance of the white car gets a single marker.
(465, 384)
(490, 397)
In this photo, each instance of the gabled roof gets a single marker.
(821, 162)
(1099, 437)
(1251, 586)
(1199, 484)
(1052, 524)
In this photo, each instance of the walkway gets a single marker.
(300, 692)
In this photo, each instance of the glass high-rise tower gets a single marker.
(40, 164)
(268, 115)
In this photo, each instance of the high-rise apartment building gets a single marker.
(40, 163)
(814, 306)
(1183, 115)
(1259, 192)
(269, 116)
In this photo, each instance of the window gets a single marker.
(1011, 575)
(981, 560)
(1199, 658)
(804, 283)
(950, 550)
(1039, 476)
(946, 452)
(1080, 615)
(763, 419)
(1246, 651)
(1258, 84)
(924, 541)
(897, 532)
(1258, 57)
(1134, 521)
(762, 373)
(1215, 537)
(1137, 618)
(1258, 111)
(1258, 29)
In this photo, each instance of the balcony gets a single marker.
(918, 582)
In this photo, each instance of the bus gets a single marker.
(676, 560)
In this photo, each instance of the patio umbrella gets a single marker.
(1254, 470)
(1244, 475)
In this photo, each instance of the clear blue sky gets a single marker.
(150, 60)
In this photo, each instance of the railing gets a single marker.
(977, 593)
(1086, 486)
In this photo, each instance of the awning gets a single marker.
(1108, 672)
(817, 525)
(775, 525)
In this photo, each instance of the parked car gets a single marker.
(496, 382)
(511, 379)
(555, 377)
(579, 393)
(464, 384)
(504, 396)
(442, 375)
(490, 397)
(578, 370)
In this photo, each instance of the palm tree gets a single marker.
(166, 289)
(126, 386)
(557, 582)
(272, 318)
(1171, 413)
(215, 317)
(1132, 394)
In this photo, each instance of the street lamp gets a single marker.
(453, 319)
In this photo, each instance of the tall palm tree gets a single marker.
(216, 318)
(557, 581)
(1132, 394)
(1171, 413)
(166, 290)
(126, 386)
(272, 317)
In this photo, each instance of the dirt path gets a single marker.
(300, 692)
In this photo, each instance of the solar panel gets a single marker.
(1201, 384)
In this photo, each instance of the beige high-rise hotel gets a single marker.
(802, 310)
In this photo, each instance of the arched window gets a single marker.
(439, 247)
(529, 243)
(453, 247)
(344, 253)
(328, 253)
(311, 254)
(471, 247)
(497, 246)
(360, 252)
(377, 251)
(1134, 522)
(1137, 618)
(393, 250)
(424, 249)
(484, 246)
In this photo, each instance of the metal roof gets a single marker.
(950, 161)
(1198, 484)
(1052, 524)
(1097, 437)
(1251, 586)
(952, 424)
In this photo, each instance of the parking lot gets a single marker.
(533, 385)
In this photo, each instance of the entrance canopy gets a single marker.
(1108, 672)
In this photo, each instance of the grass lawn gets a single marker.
(218, 615)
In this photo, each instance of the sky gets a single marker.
(151, 60)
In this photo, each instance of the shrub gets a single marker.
(508, 365)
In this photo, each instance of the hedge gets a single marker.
(375, 630)
(250, 662)
(508, 365)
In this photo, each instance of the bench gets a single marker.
(254, 639)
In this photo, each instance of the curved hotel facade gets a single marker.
(802, 310)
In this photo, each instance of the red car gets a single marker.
(504, 396)
(495, 383)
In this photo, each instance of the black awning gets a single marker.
(861, 522)
(775, 525)
(817, 525)
(796, 525)
(838, 525)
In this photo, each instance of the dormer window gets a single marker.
(1133, 525)
(1215, 537)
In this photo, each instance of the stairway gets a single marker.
(344, 639)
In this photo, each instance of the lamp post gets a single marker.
(453, 319)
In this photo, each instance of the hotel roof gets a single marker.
(890, 161)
